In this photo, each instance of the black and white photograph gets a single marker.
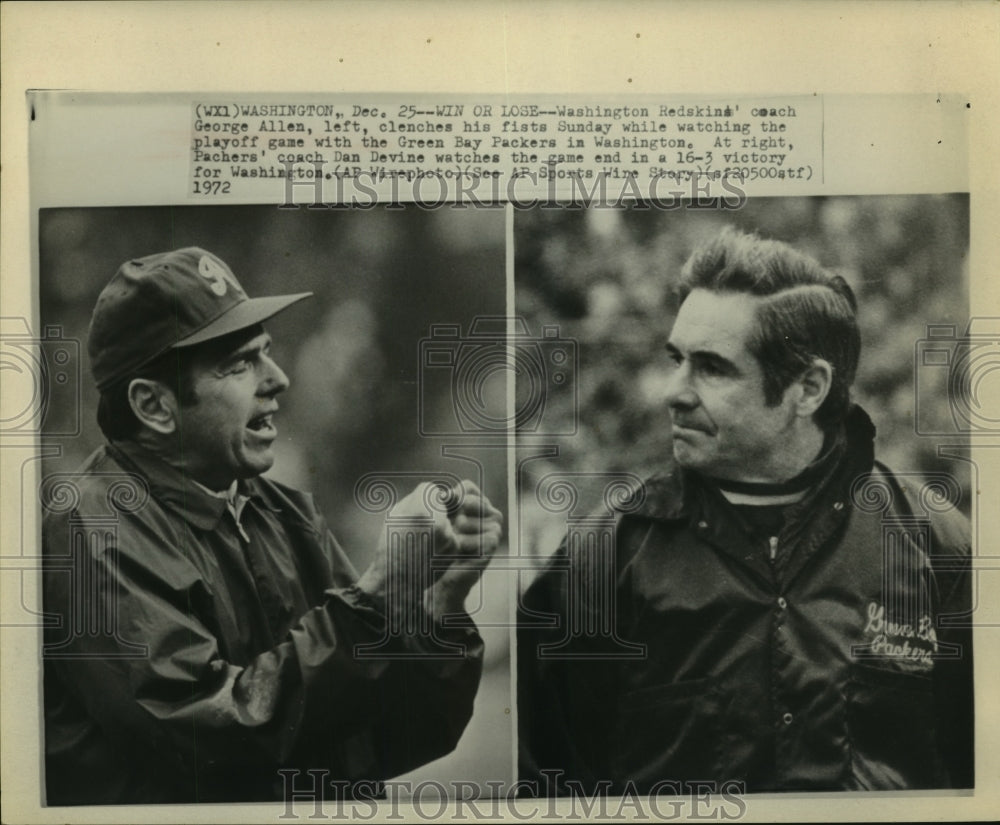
(499, 412)
(257, 567)
(756, 569)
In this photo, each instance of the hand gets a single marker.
(466, 532)
(476, 526)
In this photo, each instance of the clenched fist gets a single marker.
(465, 530)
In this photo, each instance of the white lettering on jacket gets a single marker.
(900, 640)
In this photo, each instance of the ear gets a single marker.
(813, 387)
(154, 405)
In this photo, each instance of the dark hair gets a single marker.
(807, 312)
(174, 369)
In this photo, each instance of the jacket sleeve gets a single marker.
(953, 671)
(567, 683)
(308, 702)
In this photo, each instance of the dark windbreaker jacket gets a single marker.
(834, 656)
(189, 659)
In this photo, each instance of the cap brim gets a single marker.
(245, 314)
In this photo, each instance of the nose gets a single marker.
(680, 395)
(273, 379)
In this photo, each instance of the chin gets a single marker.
(693, 460)
(684, 455)
(252, 469)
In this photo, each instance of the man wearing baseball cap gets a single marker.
(205, 623)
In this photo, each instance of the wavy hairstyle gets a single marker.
(806, 312)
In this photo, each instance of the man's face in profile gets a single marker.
(229, 430)
(722, 426)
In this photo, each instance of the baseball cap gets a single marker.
(171, 299)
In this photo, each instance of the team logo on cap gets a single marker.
(216, 275)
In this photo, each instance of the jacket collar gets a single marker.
(676, 493)
(662, 497)
(679, 495)
(175, 490)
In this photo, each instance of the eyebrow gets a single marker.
(252, 347)
(707, 357)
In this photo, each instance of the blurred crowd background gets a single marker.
(606, 278)
(382, 278)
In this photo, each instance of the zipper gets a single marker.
(773, 551)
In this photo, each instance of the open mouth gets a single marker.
(263, 424)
